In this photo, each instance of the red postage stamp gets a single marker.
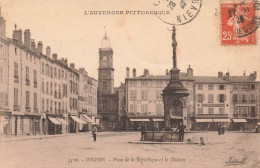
(239, 23)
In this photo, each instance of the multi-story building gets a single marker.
(212, 101)
(245, 101)
(87, 98)
(144, 98)
(107, 94)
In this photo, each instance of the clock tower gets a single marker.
(105, 70)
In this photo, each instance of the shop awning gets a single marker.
(75, 118)
(62, 121)
(241, 120)
(221, 120)
(158, 119)
(88, 119)
(204, 120)
(54, 121)
(139, 120)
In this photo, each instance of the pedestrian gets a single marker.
(243, 127)
(219, 130)
(94, 132)
(223, 129)
(181, 128)
(256, 129)
(142, 129)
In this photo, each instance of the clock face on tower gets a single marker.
(105, 58)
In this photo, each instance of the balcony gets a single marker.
(16, 108)
(211, 115)
(28, 109)
(245, 115)
(27, 82)
(35, 110)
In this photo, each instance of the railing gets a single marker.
(244, 115)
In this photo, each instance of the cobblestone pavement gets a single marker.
(113, 150)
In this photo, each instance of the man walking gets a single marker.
(94, 132)
(142, 129)
(181, 128)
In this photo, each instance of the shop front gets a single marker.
(53, 124)
(74, 122)
(238, 124)
(5, 123)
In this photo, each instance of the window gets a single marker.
(158, 95)
(200, 98)
(221, 110)
(210, 87)
(43, 86)
(43, 104)
(51, 72)
(104, 86)
(222, 87)
(200, 87)
(47, 105)
(200, 110)
(35, 100)
(222, 98)
(235, 86)
(27, 100)
(3, 99)
(159, 108)
(90, 100)
(51, 105)
(133, 108)
(144, 108)
(1, 74)
(211, 110)
(133, 95)
(15, 96)
(144, 83)
(144, 95)
(30, 58)
(55, 72)
(244, 98)
(16, 77)
(158, 83)
(15, 51)
(235, 98)
(133, 83)
(252, 86)
(65, 75)
(105, 104)
(252, 97)
(47, 87)
(27, 76)
(62, 74)
(35, 78)
(42, 67)
(59, 73)
(51, 88)
(210, 98)
(47, 70)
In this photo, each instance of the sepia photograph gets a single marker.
(133, 83)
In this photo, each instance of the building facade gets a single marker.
(39, 93)
(223, 100)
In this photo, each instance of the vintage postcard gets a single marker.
(133, 83)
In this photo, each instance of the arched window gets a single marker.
(104, 86)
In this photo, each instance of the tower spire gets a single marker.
(105, 31)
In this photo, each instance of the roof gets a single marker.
(241, 79)
(209, 79)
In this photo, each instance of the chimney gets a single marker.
(253, 75)
(190, 72)
(127, 72)
(64, 61)
(39, 47)
(227, 76)
(134, 72)
(82, 70)
(72, 65)
(33, 45)
(17, 35)
(220, 74)
(48, 51)
(27, 38)
(54, 56)
(146, 72)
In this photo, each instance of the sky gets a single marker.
(138, 41)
